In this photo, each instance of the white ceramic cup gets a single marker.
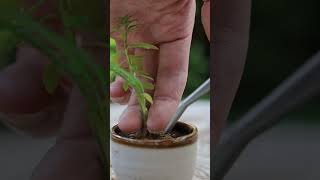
(155, 160)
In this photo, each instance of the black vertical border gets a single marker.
(107, 58)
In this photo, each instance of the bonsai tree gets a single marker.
(17, 26)
(134, 75)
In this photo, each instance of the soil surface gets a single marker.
(175, 133)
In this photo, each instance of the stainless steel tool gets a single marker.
(198, 93)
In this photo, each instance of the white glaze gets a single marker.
(137, 163)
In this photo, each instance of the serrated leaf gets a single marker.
(143, 46)
(125, 86)
(51, 78)
(148, 86)
(148, 98)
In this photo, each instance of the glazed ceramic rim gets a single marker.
(184, 140)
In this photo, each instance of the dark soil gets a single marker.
(178, 131)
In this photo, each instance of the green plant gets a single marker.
(67, 59)
(134, 76)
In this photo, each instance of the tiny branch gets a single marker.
(301, 86)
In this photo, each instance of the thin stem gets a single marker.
(126, 52)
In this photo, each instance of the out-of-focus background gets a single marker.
(284, 34)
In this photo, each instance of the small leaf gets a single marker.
(148, 98)
(135, 67)
(125, 86)
(135, 58)
(148, 86)
(146, 77)
(112, 76)
(51, 78)
(143, 46)
(112, 42)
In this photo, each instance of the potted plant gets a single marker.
(143, 155)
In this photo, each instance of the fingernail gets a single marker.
(155, 128)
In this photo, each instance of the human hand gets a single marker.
(169, 25)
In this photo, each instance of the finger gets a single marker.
(231, 19)
(150, 61)
(21, 85)
(170, 83)
(75, 154)
(205, 14)
(76, 113)
(116, 88)
(130, 120)
(123, 100)
(25, 104)
(70, 159)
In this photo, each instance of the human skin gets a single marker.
(168, 25)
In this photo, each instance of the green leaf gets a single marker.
(135, 67)
(135, 58)
(112, 42)
(51, 78)
(112, 76)
(125, 86)
(148, 98)
(148, 86)
(146, 77)
(143, 46)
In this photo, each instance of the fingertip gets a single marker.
(130, 121)
(121, 100)
(159, 116)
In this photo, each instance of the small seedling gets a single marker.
(134, 75)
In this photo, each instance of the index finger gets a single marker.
(170, 83)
